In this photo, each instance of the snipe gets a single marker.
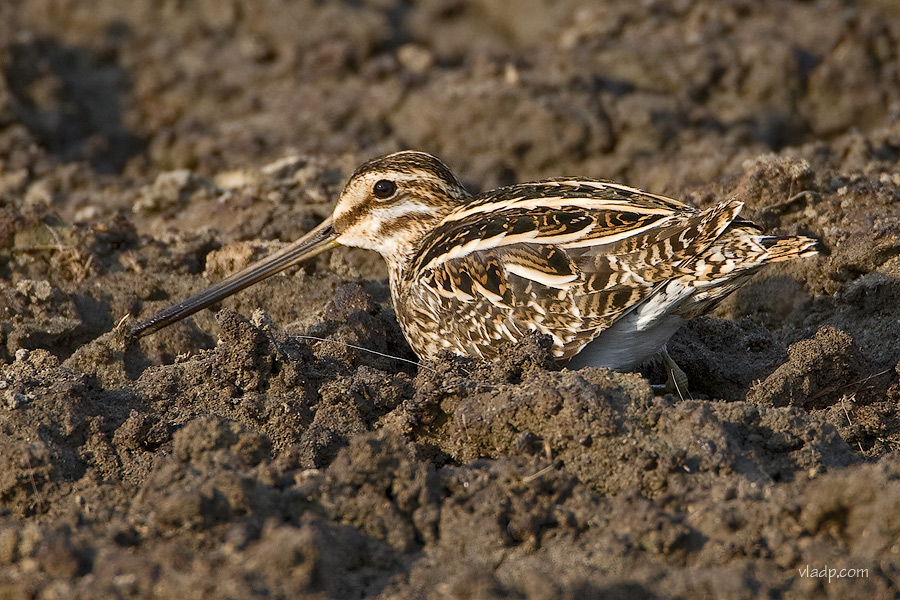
(609, 272)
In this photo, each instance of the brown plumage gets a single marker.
(607, 271)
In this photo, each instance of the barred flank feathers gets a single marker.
(787, 248)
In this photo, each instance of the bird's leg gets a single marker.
(676, 379)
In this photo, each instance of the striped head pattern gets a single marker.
(391, 201)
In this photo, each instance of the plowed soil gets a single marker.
(147, 149)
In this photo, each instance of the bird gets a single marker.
(608, 272)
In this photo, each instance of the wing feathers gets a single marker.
(565, 257)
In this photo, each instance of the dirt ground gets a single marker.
(149, 148)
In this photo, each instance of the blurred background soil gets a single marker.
(149, 148)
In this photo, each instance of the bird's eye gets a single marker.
(384, 188)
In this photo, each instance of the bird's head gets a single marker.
(387, 205)
(391, 201)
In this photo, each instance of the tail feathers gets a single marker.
(787, 248)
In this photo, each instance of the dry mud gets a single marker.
(146, 149)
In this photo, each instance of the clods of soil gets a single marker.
(289, 444)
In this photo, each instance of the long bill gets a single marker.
(315, 242)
